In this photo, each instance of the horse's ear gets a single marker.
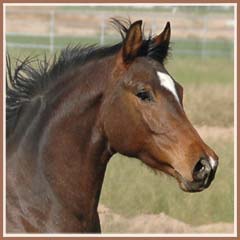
(132, 42)
(161, 42)
(164, 36)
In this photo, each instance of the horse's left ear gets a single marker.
(161, 42)
(164, 36)
(132, 42)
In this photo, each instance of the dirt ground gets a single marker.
(154, 223)
(223, 133)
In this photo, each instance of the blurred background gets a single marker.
(134, 198)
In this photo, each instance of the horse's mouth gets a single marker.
(184, 184)
(190, 186)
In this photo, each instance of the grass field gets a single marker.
(131, 188)
(192, 46)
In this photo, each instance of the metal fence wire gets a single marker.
(208, 33)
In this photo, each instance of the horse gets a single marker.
(66, 117)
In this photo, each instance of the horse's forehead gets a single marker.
(168, 83)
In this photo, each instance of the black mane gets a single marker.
(26, 81)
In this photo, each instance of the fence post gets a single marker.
(102, 31)
(205, 32)
(52, 30)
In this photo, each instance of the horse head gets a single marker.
(143, 114)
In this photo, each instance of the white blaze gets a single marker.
(212, 162)
(167, 82)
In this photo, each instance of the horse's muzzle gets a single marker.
(203, 174)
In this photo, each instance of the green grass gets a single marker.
(130, 188)
(209, 104)
(59, 41)
(193, 46)
(225, 46)
(197, 70)
(28, 39)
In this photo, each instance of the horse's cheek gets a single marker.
(122, 126)
(153, 121)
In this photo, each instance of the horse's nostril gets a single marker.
(201, 170)
(198, 167)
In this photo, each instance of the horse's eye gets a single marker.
(145, 96)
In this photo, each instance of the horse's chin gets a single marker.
(189, 186)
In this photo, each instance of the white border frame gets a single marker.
(234, 234)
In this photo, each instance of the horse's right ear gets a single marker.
(132, 42)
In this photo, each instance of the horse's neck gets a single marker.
(75, 155)
(72, 152)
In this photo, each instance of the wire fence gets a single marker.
(205, 34)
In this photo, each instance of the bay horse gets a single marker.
(66, 118)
